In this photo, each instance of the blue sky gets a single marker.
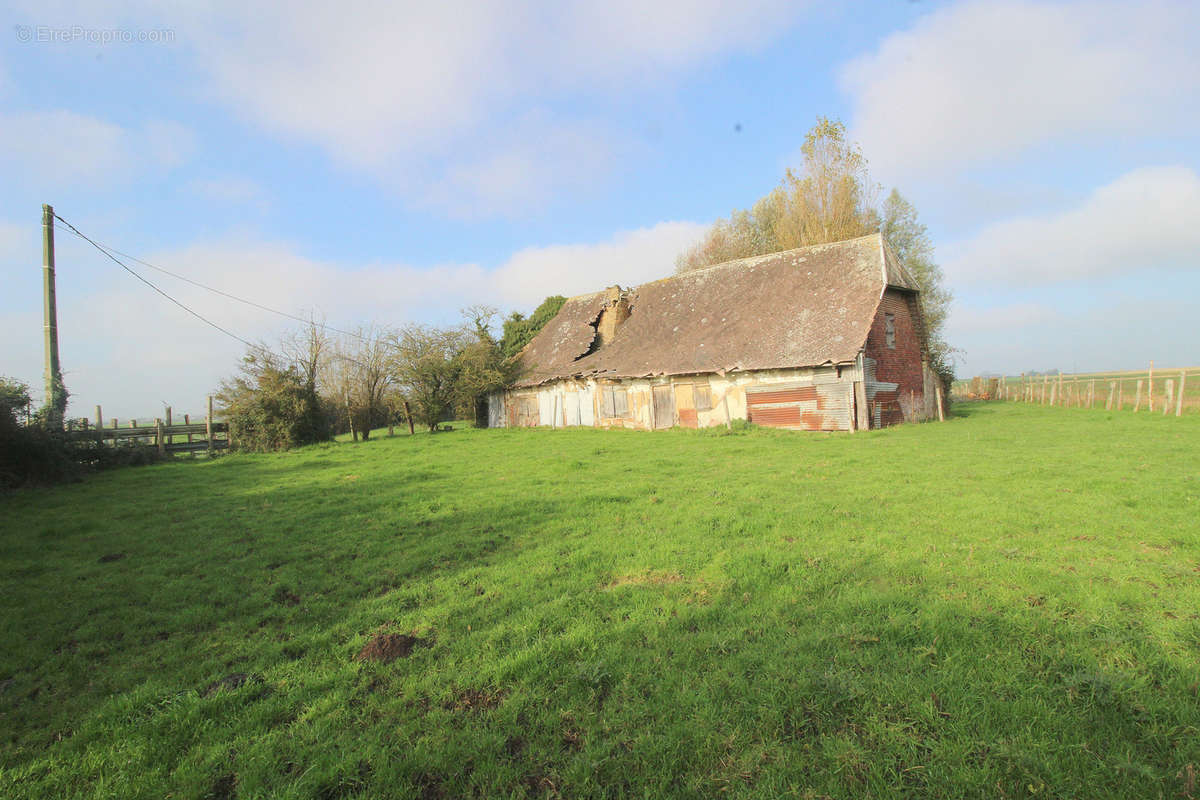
(396, 163)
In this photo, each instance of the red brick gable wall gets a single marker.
(901, 365)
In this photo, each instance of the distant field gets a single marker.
(1003, 605)
(1126, 382)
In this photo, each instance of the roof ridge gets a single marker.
(740, 261)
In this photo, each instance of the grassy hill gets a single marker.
(1004, 605)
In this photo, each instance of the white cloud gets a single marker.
(229, 189)
(434, 99)
(370, 82)
(966, 320)
(975, 82)
(12, 237)
(127, 348)
(522, 167)
(1116, 334)
(629, 258)
(54, 148)
(1146, 219)
(167, 144)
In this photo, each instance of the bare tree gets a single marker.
(831, 199)
(360, 377)
(307, 348)
(426, 364)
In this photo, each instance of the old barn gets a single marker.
(823, 338)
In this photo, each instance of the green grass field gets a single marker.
(1003, 605)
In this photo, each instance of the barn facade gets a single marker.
(824, 338)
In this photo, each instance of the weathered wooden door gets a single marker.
(685, 404)
(664, 407)
(571, 408)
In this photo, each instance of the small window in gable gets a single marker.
(889, 330)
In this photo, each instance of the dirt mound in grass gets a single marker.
(474, 700)
(387, 647)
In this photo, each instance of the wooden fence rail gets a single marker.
(166, 436)
(1093, 390)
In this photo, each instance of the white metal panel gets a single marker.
(546, 398)
(571, 407)
(587, 407)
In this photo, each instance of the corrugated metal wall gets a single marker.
(807, 407)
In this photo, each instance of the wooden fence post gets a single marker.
(1137, 402)
(1092, 393)
(170, 439)
(1053, 392)
(208, 426)
(1150, 388)
(860, 406)
(941, 414)
(1169, 396)
(158, 437)
(1179, 400)
(1120, 395)
(1112, 388)
(187, 420)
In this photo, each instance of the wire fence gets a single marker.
(1163, 391)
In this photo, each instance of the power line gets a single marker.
(123, 266)
(106, 249)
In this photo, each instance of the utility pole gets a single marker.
(56, 394)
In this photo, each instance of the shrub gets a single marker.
(30, 453)
(272, 408)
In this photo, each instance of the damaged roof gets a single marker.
(798, 308)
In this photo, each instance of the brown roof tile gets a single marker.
(798, 308)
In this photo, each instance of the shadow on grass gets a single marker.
(884, 695)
